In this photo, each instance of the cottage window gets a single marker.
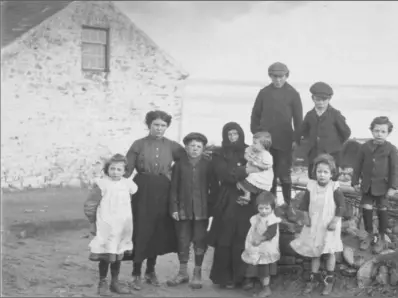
(95, 48)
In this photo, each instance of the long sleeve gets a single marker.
(131, 156)
(304, 130)
(91, 204)
(393, 164)
(357, 171)
(342, 127)
(297, 115)
(339, 201)
(177, 150)
(175, 180)
(228, 174)
(256, 113)
(305, 202)
(270, 232)
(213, 189)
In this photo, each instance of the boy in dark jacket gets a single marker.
(377, 165)
(275, 108)
(323, 127)
(193, 185)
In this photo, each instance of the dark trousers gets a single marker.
(311, 170)
(282, 164)
(191, 231)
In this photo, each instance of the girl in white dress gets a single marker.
(111, 221)
(262, 242)
(323, 206)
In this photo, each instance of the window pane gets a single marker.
(93, 49)
(102, 36)
(94, 35)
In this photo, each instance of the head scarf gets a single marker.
(239, 145)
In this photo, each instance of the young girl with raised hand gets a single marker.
(111, 221)
(323, 206)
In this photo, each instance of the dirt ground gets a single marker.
(45, 253)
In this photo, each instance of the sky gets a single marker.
(339, 42)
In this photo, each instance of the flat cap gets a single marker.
(278, 69)
(321, 89)
(195, 136)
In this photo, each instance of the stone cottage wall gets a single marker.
(58, 122)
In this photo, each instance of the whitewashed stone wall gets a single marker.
(57, 122)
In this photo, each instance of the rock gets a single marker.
(365, 272)
(382, 275)
(347, 271)
(394, 275)
(348, 255)
(359, 261)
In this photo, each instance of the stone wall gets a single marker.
(59, 122)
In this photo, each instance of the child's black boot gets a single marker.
(312, 283)
(329, 283)
(103, 289)
(115, 286)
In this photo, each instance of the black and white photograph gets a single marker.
(199, 148)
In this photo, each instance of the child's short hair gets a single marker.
(380, 121)
(116, 158)
(265, 139)
(326, 159)
(266, 198)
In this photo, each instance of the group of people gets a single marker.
(226, 198)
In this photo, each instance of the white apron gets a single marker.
(114, 217)
(317, 240)
(268, 251)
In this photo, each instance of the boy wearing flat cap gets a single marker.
(275, 107)
(324, 127)
(193, 186)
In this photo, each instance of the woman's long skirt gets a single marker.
(153, 227)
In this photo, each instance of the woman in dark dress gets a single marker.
(153, 234)
(231, 217)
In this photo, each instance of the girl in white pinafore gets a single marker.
(109, 211)
(262, 242)
(323, 206)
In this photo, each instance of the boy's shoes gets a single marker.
(196, 282)
(136, 283)
(178, 280)
(152, 279)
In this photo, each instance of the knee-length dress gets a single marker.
(325, 202)
(154, 231)
(268, 251)
(113, 218)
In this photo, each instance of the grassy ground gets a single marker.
(45, 249)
